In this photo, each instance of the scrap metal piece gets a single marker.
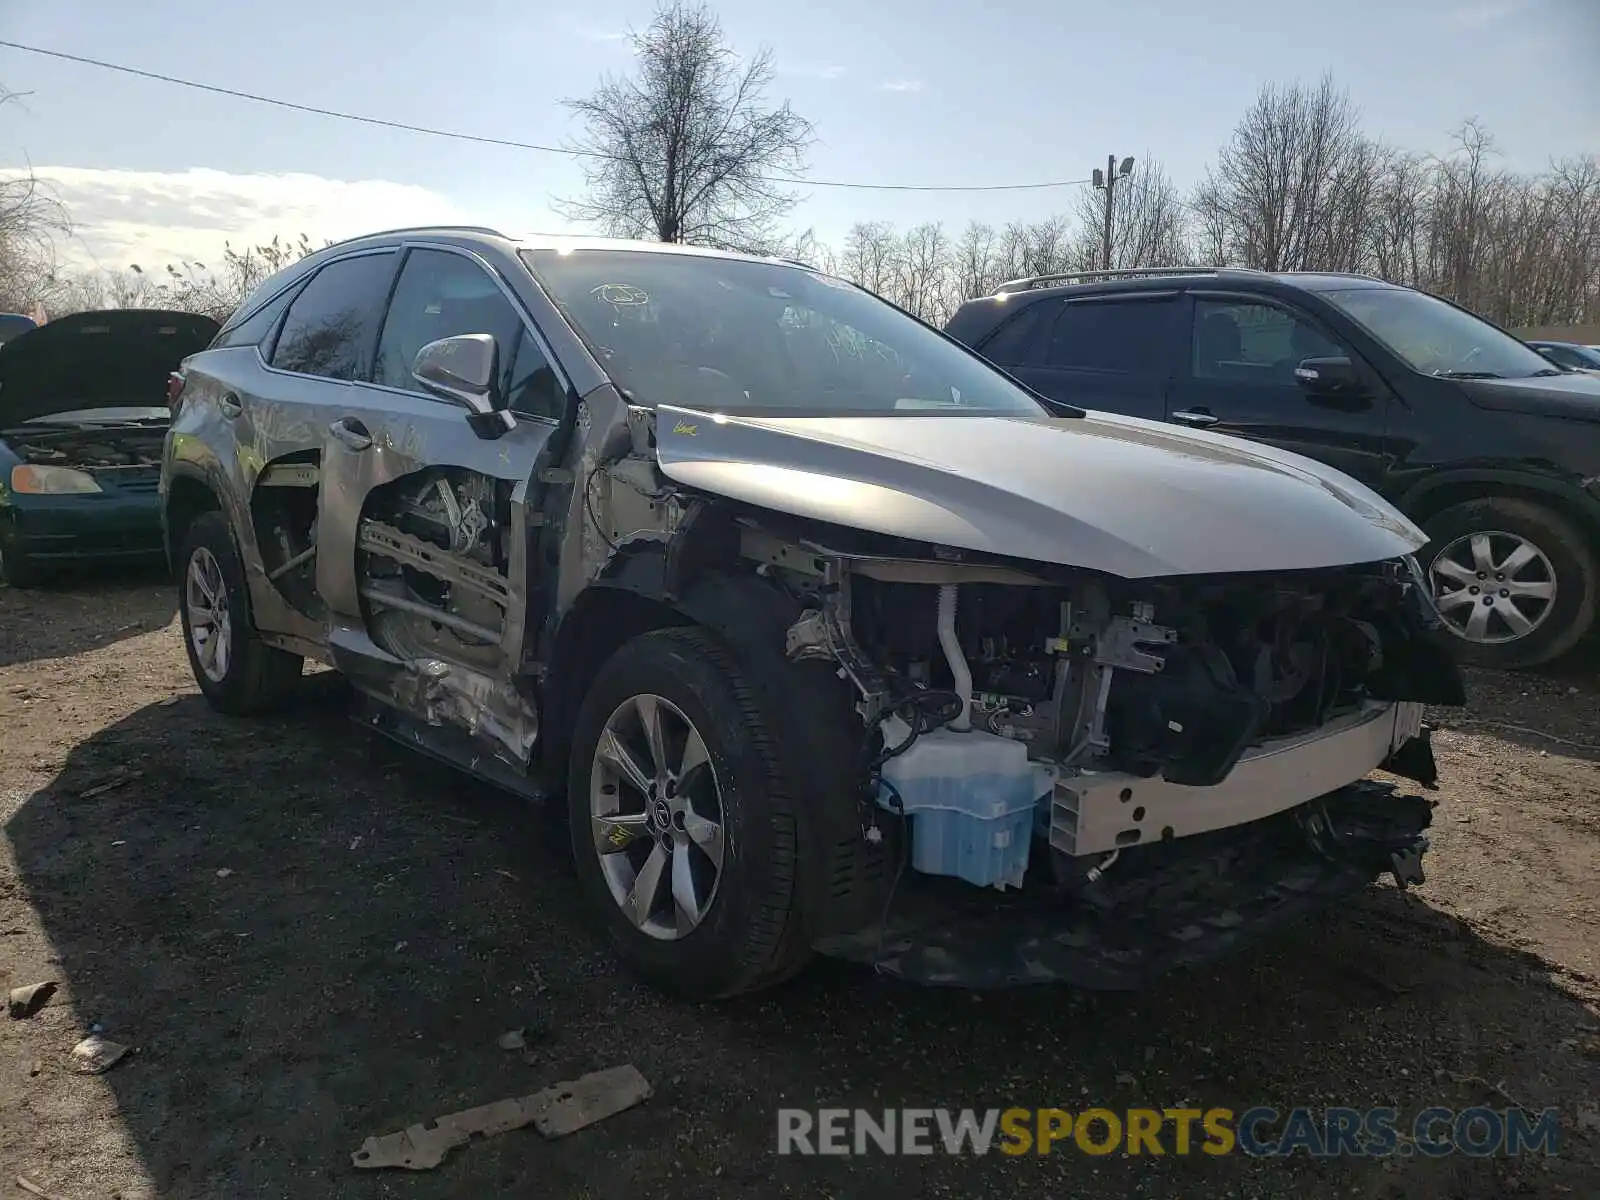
(96, 1055)
(25, 1001)
(554, 1112)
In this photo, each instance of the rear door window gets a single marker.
(1130, 336)
(333, 323)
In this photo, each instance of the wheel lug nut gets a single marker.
(1472, 591)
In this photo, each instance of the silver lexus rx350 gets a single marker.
(830, 636)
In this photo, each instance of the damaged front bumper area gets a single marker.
(1168, 905)
(1096, 782)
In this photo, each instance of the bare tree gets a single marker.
(922, 284)
(686, 150)
(31, 218)
(871, 256)
(1299, 186)
(1287, 178)
(1149, 224)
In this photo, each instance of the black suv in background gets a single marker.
(1493, 450)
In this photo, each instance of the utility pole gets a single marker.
(1108, 181)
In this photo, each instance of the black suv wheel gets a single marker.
(1515, 582)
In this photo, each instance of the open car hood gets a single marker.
(1132, 498)
(115, 358)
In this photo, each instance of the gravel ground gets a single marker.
(310, 937)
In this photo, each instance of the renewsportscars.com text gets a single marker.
(1259, 1132)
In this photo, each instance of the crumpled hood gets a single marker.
(115, 358)
(1132, 498)
(1575, 396)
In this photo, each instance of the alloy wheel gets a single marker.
(656, 817)
(1493, 587)
(210, 623)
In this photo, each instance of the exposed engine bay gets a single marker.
(1076, 719)
(1179, 681)
(88, 445)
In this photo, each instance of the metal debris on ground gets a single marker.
(106, 783)
(33, 1188)
(25, 1001)
(554, 1112)
(224, 872)
(96, 1055)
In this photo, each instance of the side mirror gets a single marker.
(1332, 379)
(465, 370)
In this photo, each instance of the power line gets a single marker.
(509, 143)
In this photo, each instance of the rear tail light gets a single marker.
(174, 388)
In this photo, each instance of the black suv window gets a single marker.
(1024, 337)
(330, 327)
(1562, 355)
(1111, 335)
(440, 295)
(1245, 342)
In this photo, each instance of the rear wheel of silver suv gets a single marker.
(237, 672)
(1515, 582)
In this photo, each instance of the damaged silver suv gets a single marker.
(833, 637)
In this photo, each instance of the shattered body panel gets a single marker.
(1197, 708)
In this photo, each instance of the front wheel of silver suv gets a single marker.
(238, 673)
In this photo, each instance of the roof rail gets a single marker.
(1033, 281)
(484, 229)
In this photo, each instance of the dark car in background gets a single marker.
(14, 324)
(82, 416)
(1569, 354)
(1493, 450)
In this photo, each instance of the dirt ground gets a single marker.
(311, 937)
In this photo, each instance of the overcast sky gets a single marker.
(931, 92)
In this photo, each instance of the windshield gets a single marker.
(730, 335)
(1436, 338)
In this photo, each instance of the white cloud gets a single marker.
(156, 217)
(901, 85)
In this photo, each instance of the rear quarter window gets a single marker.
(254, 329)
(1022, 336)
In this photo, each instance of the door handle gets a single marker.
(230, 405)
(350, 433)
(1197, 418)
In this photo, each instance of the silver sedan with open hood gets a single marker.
(830, 636)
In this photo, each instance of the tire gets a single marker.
(1564, 557)
(253, 678)
(748, 936)
(17, 570)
